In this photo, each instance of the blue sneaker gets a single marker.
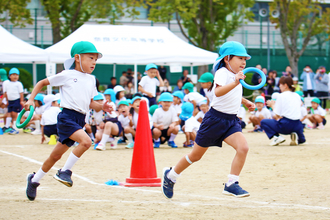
(167, 184)
(129, 146)
(156, 144)
(13, 131)
(235, 190)
(31, 188)
(172, 144)
(64, 177)
(121, 141)
(7, 130)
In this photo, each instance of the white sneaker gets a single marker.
(320, 127)
(113, 144)
(277, 140)
(100, 147)
(294, 139)
(35, 132)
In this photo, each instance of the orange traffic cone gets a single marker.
(143, 168)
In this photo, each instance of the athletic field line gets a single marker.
(258, 204)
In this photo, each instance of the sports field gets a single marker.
(285, 182)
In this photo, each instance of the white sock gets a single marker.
(257, 126)
(105, 138)
(129, 137)
(37, 124)
(232, 179)
(172, 175)
(38, 176)
(8, 122)
(111, 139)
(172, 137)
(72, 159)
(157, 140)
(14, 125)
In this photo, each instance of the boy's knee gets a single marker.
(86, 143)
(194, 158)
(243, 149)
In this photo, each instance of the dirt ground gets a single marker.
(285, 182)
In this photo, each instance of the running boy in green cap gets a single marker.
(77, 89)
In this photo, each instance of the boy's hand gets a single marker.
(239, 76)
(160, 127)
(250, 105)
(28, 104)
(106, 107)
(43, 139)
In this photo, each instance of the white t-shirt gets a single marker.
(320, 111)
(241, 113)
(303, 111)
(77, 89)
(39, 110)
(124, 121)
(288, 105)
(136, 117)
(49, 117)
(209, 94)
(264, 112)
(96, 118)
(200, 114)
(165, 117)
(191, 124)
(149, 85)
(13, 89)
(177, 108)
(230, 102)
(194, 96)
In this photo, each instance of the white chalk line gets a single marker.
(259, 204)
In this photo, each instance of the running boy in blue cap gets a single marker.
(148, 83)
(77, 89)
(220, 122)
(13, 92)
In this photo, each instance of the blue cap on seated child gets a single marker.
(150, 66)
(136, 98)
(80, 47)
(40, 97)
(230, 48)
(123, 102)
(98, 97)
(187, 111)
(204, 102)
(13, 71)
(112, 94)
(178, 94)
(165, 97)
(260, 100)
(188, 86)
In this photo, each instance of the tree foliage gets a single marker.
(18, 14)
(299, 18)
(206, 24)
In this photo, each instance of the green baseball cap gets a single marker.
(80, 48)
(123, 102)
(152, 109)
(316, 100)
(188, 86)
(3, 74)
(206, 77)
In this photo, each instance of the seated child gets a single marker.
(120, 94)
(261, 113)
(241, 115)
(110, 95)
(177, 101)
(38, 111)
(303, 117)
(123, 109)
(194, 97)
(206, 81)
(191, 124)
(317, 114)
(165, 121)
(49, 117)
(204, 107)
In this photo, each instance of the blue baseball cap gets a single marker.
(187, 111)
(178, 94)
(136, 98)
(13, 71)
(150, 66)
(129, 101)
(230, 48)
(123, 102)
(98, 97)
(112, 94)
(39, 97)
(165, 97)
(259, 100)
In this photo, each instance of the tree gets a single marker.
(16, 12)
(299, 16)
(206, 24)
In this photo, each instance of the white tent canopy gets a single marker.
(14, 50)
(121, 44)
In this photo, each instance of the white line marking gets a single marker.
(258, 204)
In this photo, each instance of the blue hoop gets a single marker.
(254, 70)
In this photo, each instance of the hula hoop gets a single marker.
(254, 70)
(19, 117)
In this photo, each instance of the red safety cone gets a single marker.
(143, 168)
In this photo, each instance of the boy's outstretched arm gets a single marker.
(161, 82)
(35, 91)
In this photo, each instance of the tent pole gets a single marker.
(191, 70)
(114, 70)
(34, 74)
(135, 78)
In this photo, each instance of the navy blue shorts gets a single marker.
(152, 100)
(216, 127)
(14, 106)
(163, 134)
(68, 122)
(50, 130)
(323, 122)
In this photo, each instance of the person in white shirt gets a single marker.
(191, 124)
(241, 115)
(308, 81)
(49, 117)
(204, 107)
(165, 121)
(13, 92)
(288, 115)
(194, 97)
(77, 89)
(220, 122)
(120, 94)
(123, 109)
(177, 101)
(317, 116)
(261, 113)
(206, 81)
(148, 84)
(303, 111)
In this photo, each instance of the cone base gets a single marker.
(137, 182)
